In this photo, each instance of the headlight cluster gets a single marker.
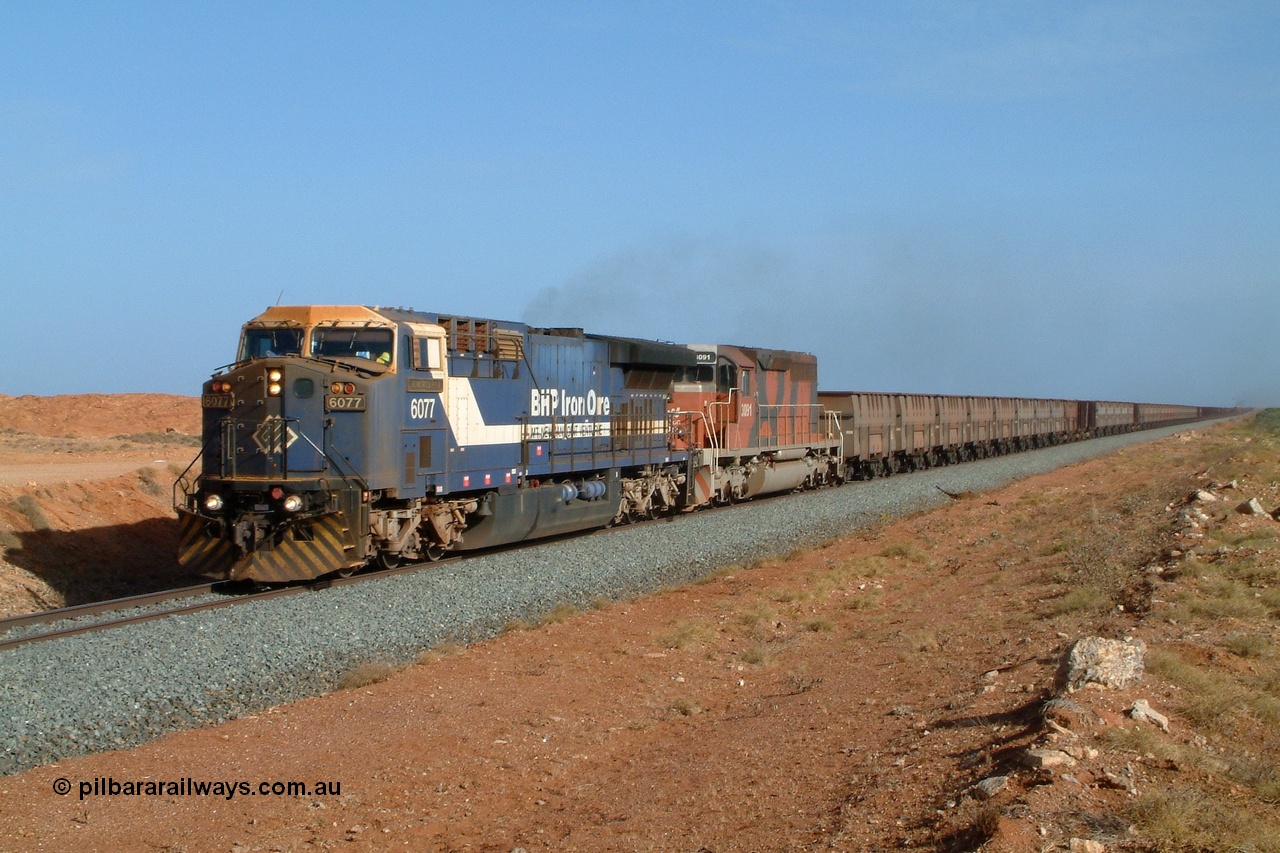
(343, 388)
(275, 382)
(220, 387)
(214, 502)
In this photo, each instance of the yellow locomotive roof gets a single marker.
(309, 315)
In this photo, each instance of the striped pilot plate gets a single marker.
(329, 549)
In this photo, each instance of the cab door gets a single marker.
(748, 409)
(424, 437)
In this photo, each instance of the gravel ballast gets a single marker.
(127, 686)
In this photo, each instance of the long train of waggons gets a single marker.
(346, 435)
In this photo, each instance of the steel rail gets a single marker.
(148, 599)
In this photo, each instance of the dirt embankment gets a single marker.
(889, 690)
(85, 496)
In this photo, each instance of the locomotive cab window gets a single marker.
(728, 378)
(265, 343)
(426, 353)
(347, 342)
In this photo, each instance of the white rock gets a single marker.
(1097, 660)
(1085, 845)
(1142, 712)
(1037, 758)
(1251, 507)
(989, 787)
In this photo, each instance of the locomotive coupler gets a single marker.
(249, 532)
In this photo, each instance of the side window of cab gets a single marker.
(426, 353)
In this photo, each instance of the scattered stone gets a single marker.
(1068, 714)
(1096, 660)
(1085, 845)
(1204, 496)
(991, 675)
(1111, 780)
(1060, 729)
(1142, 712)
(989, 787)
(1080, 753)
(1043, 758)
(1251, 507)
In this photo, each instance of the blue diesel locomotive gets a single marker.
(343, 435)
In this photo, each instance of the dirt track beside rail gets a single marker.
(841, 698)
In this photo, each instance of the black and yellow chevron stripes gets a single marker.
(331, 547)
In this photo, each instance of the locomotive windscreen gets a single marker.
(263, 343)
(352, 342)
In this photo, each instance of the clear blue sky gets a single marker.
(1059, 199)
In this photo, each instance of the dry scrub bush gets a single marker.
(693, 632)
(366, 674)
(27, 507)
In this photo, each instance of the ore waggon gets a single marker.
(346, 435)
(889, 433)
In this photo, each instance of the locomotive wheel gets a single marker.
(388, 560)
(433, 552)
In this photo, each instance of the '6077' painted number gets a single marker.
(421, 408)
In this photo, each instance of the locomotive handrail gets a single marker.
(182, 478)
(360, 481)
(711, 433)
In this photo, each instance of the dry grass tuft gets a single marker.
(757, 654)
(27, 507)
(560, 613)
(909, 551)
(693, 632)
(366, 674)
(1083, 599)
(1190, 819)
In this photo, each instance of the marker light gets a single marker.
(293, 503)
(349, 388)
(213, 503)
(336, 387)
